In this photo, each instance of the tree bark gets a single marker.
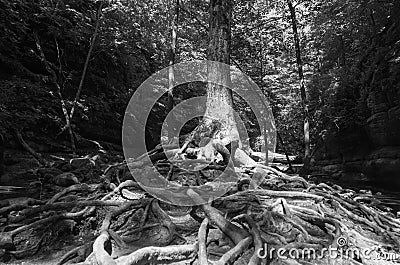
(342, 51)
(265, 122)
(303, 94)
(219, 105)
(171, 72)
(284, 150)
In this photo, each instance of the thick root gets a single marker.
(158, 255)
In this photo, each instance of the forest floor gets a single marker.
(42, 221)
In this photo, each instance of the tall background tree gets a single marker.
(174, 20)
(303, 93)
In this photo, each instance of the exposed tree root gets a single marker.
(29, 251)
(235, 252)
(59, 206)
(258, 243)
(20, 206)
(6, 238)
(164, 219)
(142, 221)
(102, 256)
(78, 251)
(158, 255)
(291, 213)
(235, 233)
(74, 188)
(202, 253)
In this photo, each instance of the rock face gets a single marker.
(383, 126)
(372, 150)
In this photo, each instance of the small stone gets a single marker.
(81, 163)
(65, 179)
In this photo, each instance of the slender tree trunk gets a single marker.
(265, 122)
(284, 150)
(219, 104)
(303, 94)
(69, 116)
(342, 51)
(89, 54)
(55, 81)
(171, 73)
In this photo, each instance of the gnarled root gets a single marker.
(158, 255)
(235, 233)
(202, 253)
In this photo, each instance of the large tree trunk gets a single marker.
(219, 104)
(303, 94)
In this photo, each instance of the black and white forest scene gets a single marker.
(198, 132)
